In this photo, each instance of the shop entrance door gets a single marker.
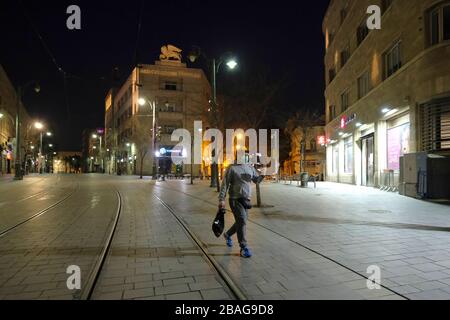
(368, 161)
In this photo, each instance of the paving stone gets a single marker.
(185, 296)
(179, 288)
(215, 294)
(138, 293)
(205, 285)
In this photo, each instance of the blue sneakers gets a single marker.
(228, 240)
(246, 253)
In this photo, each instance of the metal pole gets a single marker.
(101, 154)
(214, 167)
(40, 153)
(154, 175)
(192, 160)
(18, 166)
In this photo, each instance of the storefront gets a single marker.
(368, 153)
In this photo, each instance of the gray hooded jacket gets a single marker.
(237, 181)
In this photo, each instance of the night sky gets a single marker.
(284, 37)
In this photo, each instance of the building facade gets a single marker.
(8, 111)
(142, 114)
(314, 154)
(387, 91)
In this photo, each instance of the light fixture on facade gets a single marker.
(128, 144)
(1, 115)
(141, 102)
(391, 112)
(385, 110)
(157, 154)
(341, 134)
(358, 125)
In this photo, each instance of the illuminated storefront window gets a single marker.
(397, 146)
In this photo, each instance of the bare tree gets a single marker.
(142, 137)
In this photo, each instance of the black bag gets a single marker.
(246, 203)
(219, 223)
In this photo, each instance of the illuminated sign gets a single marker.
(321, 140)
(345, 121)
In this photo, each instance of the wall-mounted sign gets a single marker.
(345, 121)
(321, 140)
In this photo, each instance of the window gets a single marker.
(313, 145)
(363, 85)
(348, 155)
(345, 101)
(446, 22)
(169, 85)
(332, 112)
(434, 28)
(439, 26)
(335, 158)
(331, 74)
(392, 61)
(362, 32)
(345, 55)
(343, 15)
(435, 126)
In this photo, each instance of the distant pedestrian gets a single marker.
(237, 181)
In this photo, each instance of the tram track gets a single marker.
(96, 270)
(39, 213)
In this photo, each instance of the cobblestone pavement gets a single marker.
(307, 243)
(356, 227)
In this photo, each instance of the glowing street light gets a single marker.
(142, 102)
(39, 125)
(232, 64)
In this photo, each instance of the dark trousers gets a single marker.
(240, 225)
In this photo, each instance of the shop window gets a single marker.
(335, 159)
(397, 145)
(348, 155)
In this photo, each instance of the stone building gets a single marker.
(314, 154)
(388, 90)
(8, 111)
(180, 96)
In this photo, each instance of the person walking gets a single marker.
(237, 182)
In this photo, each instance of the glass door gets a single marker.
(368, 161)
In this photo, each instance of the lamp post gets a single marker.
(215, 67)
(99, 137)
(142, 102)
(18, 165)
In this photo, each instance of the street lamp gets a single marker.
(142, 102)
(18, 166)
(96, 136)
(231, 63)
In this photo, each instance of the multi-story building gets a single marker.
(93, 151)
(143, 113)
(388, 90)
(8, 111)
(313, 155)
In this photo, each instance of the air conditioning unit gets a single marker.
(425, 176)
